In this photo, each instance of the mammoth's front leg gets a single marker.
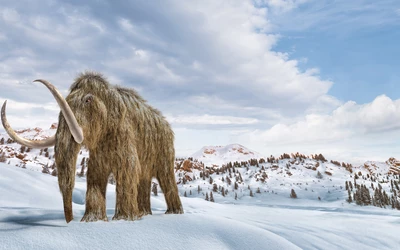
(127, 176)
(97, 178)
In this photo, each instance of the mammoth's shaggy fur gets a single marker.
(125, 136)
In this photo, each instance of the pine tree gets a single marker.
(251, 193)
(293, 194)
(3, 157)
(366, 197)
(349, 200)
(54, 172)
(397, 186)
(236, 185)
(319, 175)
(215, 187)
(228, 180)
(45, 169)
(207, 197)
(154, 189)
(82, 172)
(223, 191)
(83, 161)
(184, 194)
(198, 189)
(211, 180)
(258, 190)
(236, 196)
(211, 197)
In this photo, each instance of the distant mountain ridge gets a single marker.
(209, 155)
(225, 154)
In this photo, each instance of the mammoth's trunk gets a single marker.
(66, 154)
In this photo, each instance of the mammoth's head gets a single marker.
(89, 100)
(84, 112)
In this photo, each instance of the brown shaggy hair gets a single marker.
(125, 136)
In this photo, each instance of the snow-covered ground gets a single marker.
(31, 217)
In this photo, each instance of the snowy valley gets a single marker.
(233, 197)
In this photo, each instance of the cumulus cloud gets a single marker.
(349, 119)
(208, 64)
(194, 48)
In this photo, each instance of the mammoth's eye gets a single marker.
(88, 98)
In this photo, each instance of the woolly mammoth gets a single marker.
(124, 135)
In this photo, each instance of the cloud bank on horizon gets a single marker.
(214, 68)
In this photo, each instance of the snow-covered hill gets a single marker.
(224, 154)
(41, 160)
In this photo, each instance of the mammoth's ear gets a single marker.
(116, 108)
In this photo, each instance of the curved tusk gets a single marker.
(69, 116)
(45, 143)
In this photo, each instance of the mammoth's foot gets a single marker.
(174, 211)
(92, 216)
(130, 217)
(144, 212)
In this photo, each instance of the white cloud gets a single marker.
(194, 44)
(209, 120)
(10, 15)
(350, 119)
(355, 131)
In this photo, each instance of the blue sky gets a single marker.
(353, 44)
(274, 75)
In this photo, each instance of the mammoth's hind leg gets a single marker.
(144, 187)
(168, 185)
(97, 178)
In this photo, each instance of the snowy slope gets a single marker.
(33, 159)
(31, 217)
(223, 154)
